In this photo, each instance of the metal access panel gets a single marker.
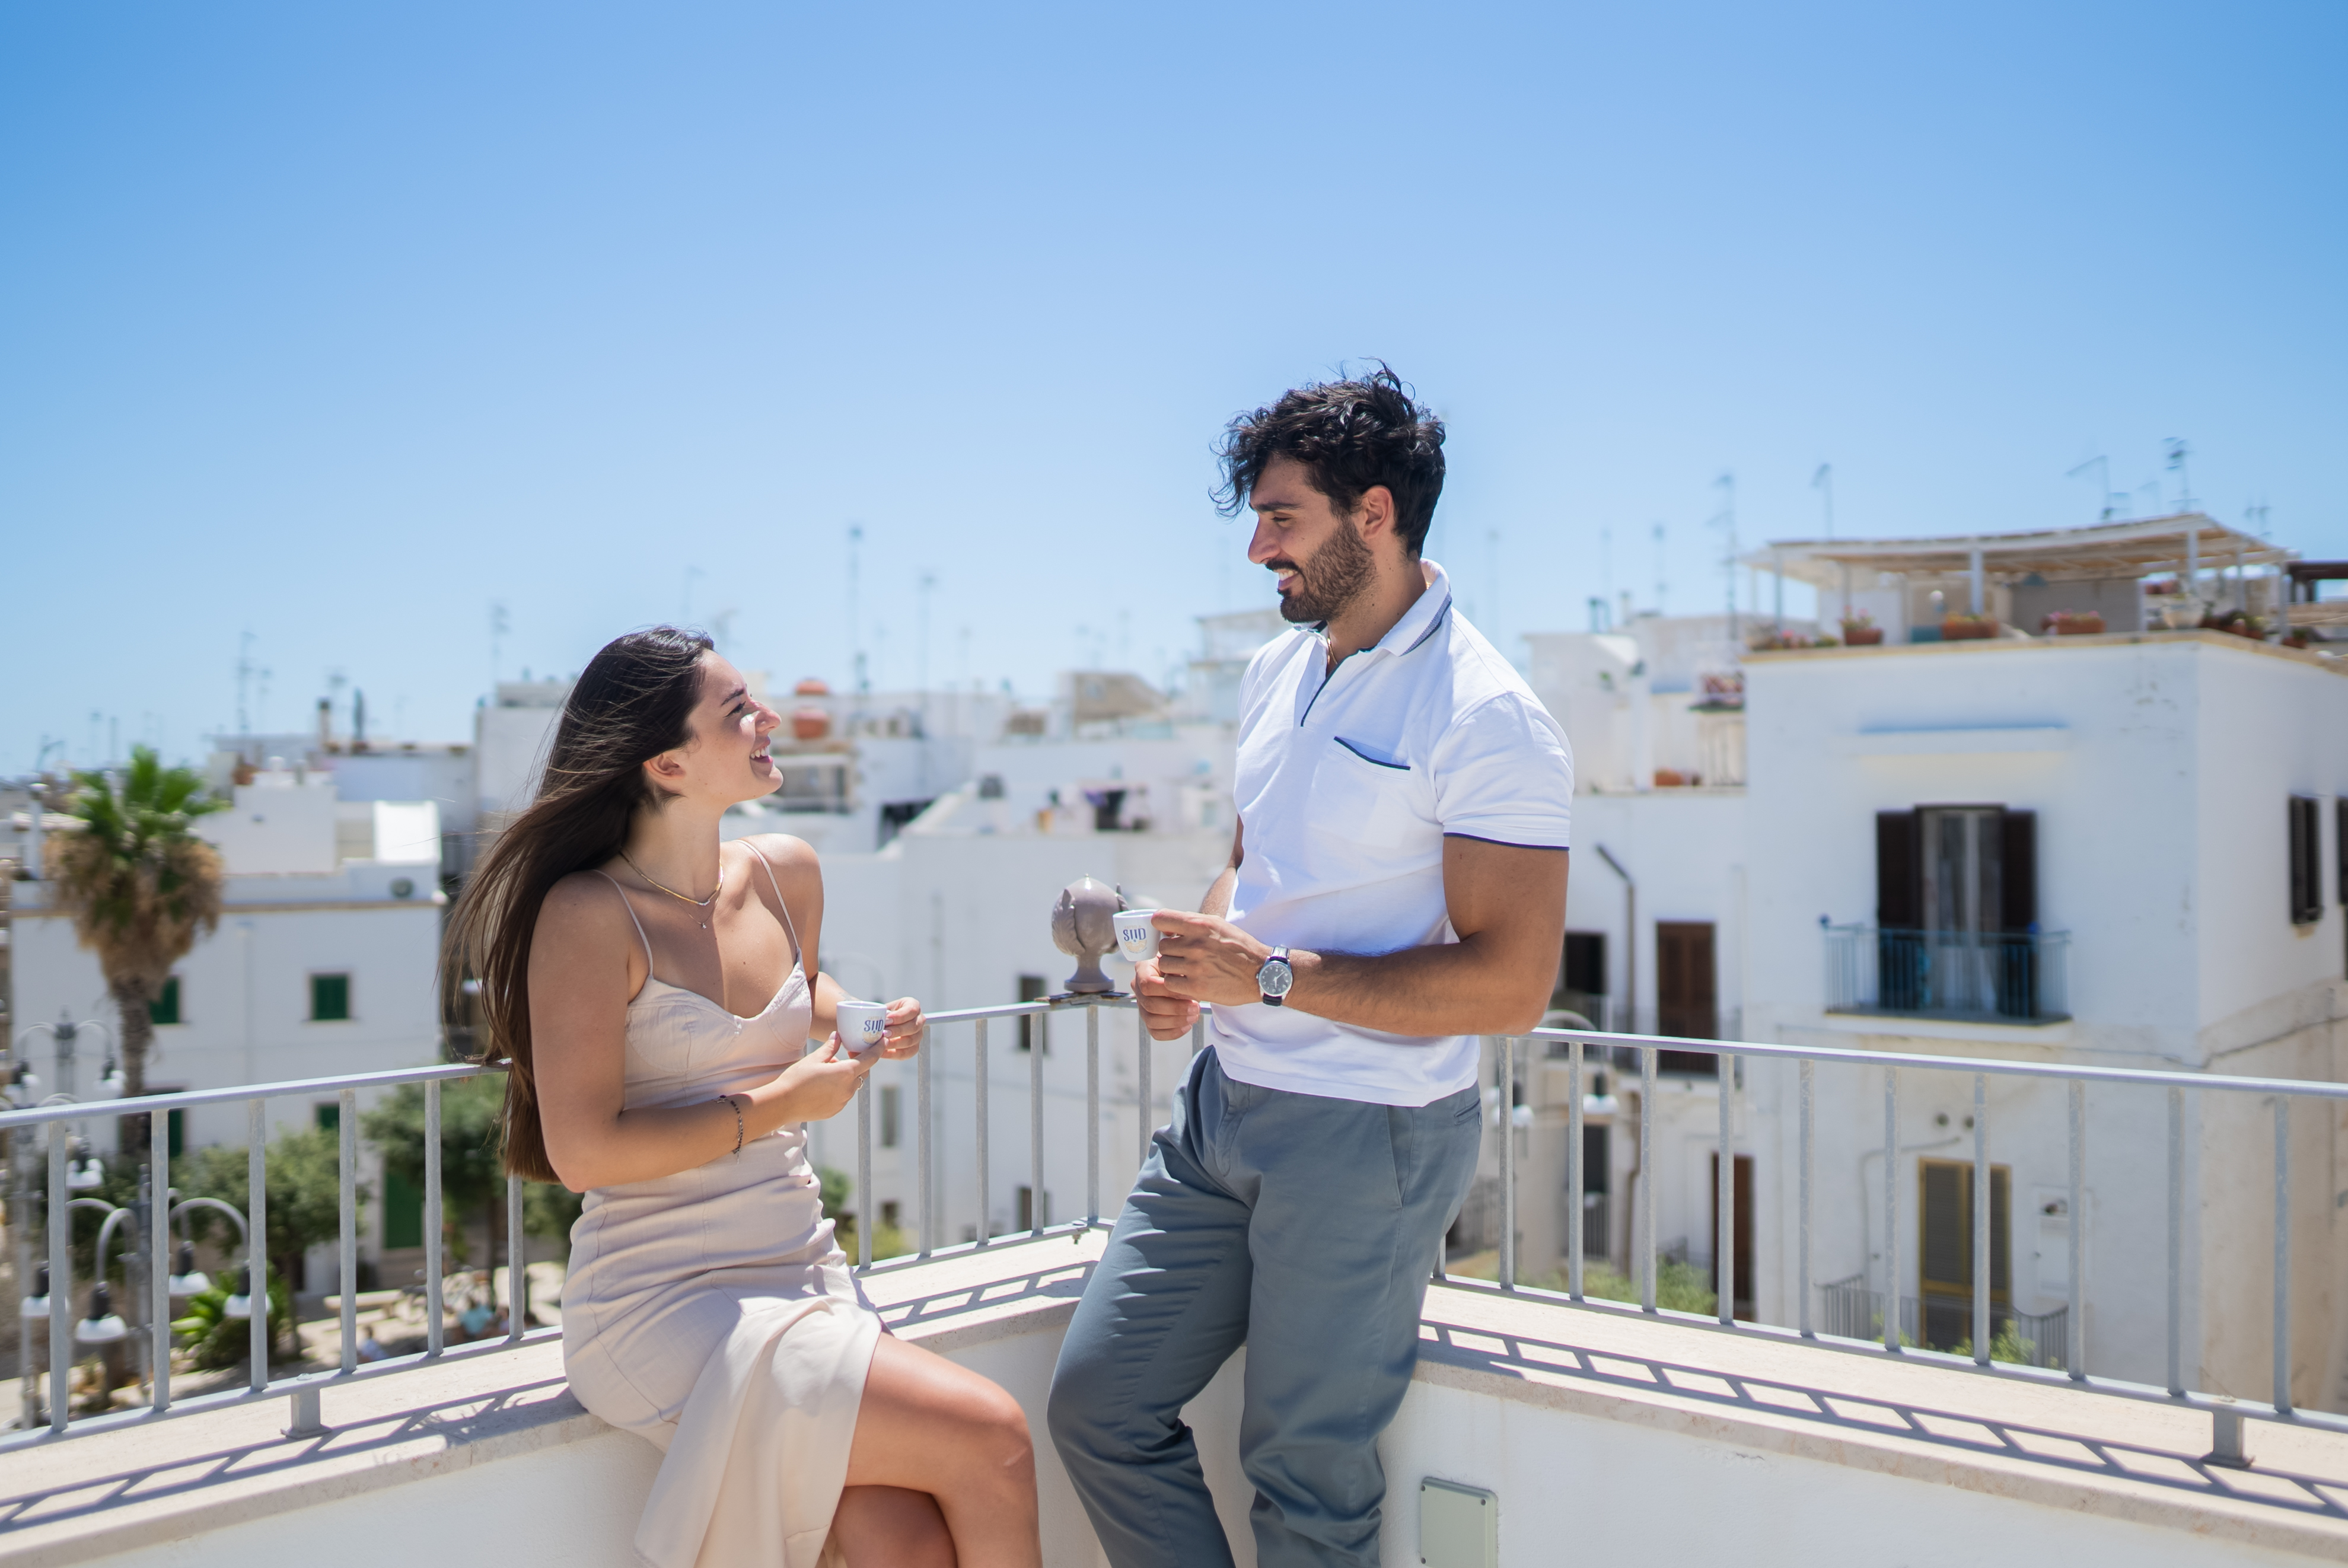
(1459, 1526)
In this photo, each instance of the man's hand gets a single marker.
(1205, 959)
(1166, 1016)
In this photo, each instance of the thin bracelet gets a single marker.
(737, 1122)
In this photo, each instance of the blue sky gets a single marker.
(337, 324)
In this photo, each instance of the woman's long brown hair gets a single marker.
(632, 702)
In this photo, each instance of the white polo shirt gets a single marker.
(1346, 788)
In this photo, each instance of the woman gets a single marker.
(653, 989)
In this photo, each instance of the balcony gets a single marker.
(1954, 976)
(1589, 1419)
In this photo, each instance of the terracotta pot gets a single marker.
(1862, 636)
(1967, 631)
(809, 724)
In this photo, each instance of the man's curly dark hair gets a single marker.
(1349, 435)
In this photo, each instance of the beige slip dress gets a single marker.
(711, 1312)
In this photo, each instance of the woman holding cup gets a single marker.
(652, 989)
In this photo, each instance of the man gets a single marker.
(1396, 888)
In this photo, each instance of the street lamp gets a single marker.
(86, 1170)
(187, 1279)
(239, 1300)
(37, 1305)
(104, 1326)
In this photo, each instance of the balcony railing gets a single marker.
(1827, 1318)
(1847, 1309)
(1985, 977)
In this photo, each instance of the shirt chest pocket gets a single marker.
(1368, 802)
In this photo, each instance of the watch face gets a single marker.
(1275, 977)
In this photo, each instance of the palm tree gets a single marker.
(141, 886)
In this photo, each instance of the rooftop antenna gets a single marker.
(244, 672)
(1726, 520)
(855, 621)
(1492, 575)
(498, 626)
(1606, 562)
(1823, 482)
(1659, 569)
(2103, 467)
(2177, 452)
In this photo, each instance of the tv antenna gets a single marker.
(1823, 482)
(1725, 519)
(2103, 467)
(2177, 452)
(1659, 569)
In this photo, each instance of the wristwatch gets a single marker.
(1275, 977)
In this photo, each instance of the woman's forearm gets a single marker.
(824, 999)
(645, 1145)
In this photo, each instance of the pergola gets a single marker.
(2187, 542)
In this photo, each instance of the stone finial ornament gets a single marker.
(1084, 925)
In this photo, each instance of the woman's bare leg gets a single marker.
(890, 1527)
(927, 1425)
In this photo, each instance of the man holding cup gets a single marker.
(1397, 888)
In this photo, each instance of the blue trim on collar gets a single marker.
(1432, 625)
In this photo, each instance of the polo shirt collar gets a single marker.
(1421, 620)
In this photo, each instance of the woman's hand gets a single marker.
(905, 1026)
(819, 1085)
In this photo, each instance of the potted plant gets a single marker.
(1960, 626)
(2073, 624)
(1859, 630)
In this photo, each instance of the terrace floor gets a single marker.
(1616, 1432)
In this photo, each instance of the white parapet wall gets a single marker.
(1605, 1437)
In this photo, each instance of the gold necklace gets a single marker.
(696, 902)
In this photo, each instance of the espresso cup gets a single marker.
(863, 1025)
(1137, 935)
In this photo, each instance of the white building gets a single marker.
(323, 963)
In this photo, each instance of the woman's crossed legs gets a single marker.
(942, 1472)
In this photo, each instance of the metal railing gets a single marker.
(2227, 1413)
(1974, 977)
(1849, 1310)
(303, 1390)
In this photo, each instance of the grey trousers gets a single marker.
(1304, 1228)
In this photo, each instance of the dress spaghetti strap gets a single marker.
(638, 923)
(782, 904)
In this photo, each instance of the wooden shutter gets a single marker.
(2306, 863)
(2340, 843)
(2018, 870)
(1899, 872)
(1945, 1263)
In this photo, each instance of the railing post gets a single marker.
(2176, 1242)
(346, 1119)
(256, 1240)
(2075, 1355)
(435, 1260)
(517, 1261)
(61, 1295)
(2282, 1255)
(978, 1067)
(1892, 1209)
(923, 1155)
(1574, 1194)
(1646, 1194)
(1981, 1204)
(1723, 1244)
(1092, 1114)
(867, 1213)
(1504, 1054)
(1141, 1039)
(1039, 1040)
(158, 1264)
(1808, 1156)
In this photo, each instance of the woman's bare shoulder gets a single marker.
(793, 860)
(584, 905)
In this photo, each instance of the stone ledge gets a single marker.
(86, 1499)
(2050, 1446)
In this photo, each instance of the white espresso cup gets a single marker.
(1137, 935)
(863, 1025)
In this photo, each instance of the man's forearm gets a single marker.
(1453, 988)
(1218, 901)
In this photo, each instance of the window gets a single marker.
(1031, 1025)
(165, 1008)
(1027, 1216)
(1582, 977)
(1945, 1269)
(2306, 861)
(889, 1101)
(888, 1211)
(330, 998)
(1741, 1222)
(328, 1115)
(403, 1211)
(1687, 997)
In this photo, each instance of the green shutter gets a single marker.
(330, 998)
(165, 1008)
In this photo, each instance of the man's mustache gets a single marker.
(1283, 564)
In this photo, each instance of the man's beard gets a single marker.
(1338, 573)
